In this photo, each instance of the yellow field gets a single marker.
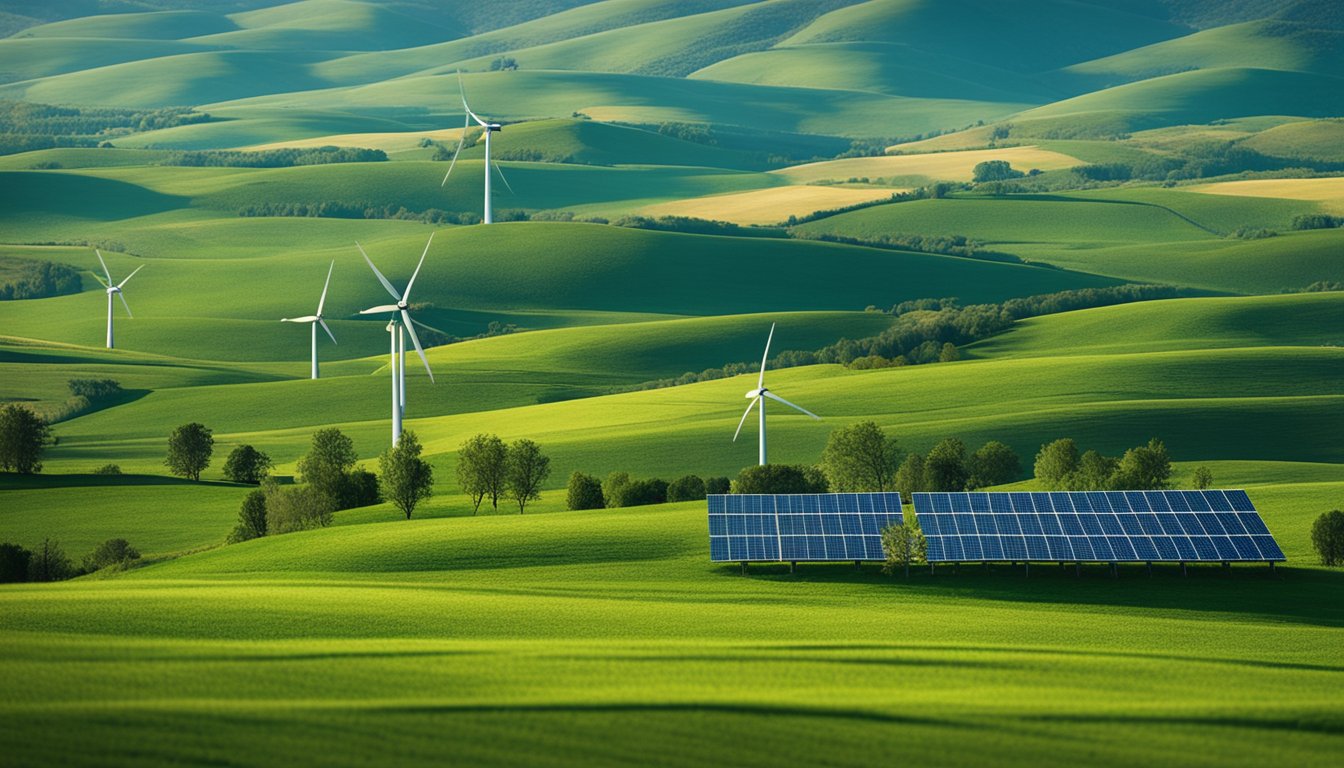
(768, 206)
(1328, 191)
(970, 138)
(952, 166)
(388, 142)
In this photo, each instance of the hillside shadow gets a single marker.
(85, 197)
(15, 482)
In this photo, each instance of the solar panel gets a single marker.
(1095, 526)
(800, 527)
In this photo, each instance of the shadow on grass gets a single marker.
(15, 482)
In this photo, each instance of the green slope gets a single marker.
(154, 25)
(1320, 140)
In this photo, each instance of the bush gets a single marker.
(95, 389)
(359, 489)
(251, 518)
(1316, 221)
(718, 486)
(23, 437)
(49, 563)
(688, 488)
(644, 492)
(780, 478)
(297, 508)
(1202, 478)
(585, 492)
(108, 469)
(1327, 536)
(113, 552)
(14, 563)
(613, 488)
(993, 464)
(247, 465)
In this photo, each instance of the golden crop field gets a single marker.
(1327, 191)
(768, 206)
(952, 166)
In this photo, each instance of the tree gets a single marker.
(1055, 462)
(643, 492)
(994, 170)
(687, 488)
(945, 466)
(1203, 477)
(527, 469)
(585, 492)
(251, 518)
(718, 485)
(1146, 468)
(247, 465)
(993, 464)
(910, 476)
(49, 563)
(860, 458)
(14, 561)
(329, 459)
(780, 478)
(23, 436)
(296, 508)
(359, 489)
(1327, 536)
(949, 353)
(189, 450)
(118, 552)
(614, 488)
(481, 465)
(1094, 473)
(904, 545)
(407, 478)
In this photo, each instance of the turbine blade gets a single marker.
(410, 328)
(304, 319)
(466, 121)
(773, 396)
(380, 308)
(462, 91)
(760, 381)
(128, 277)
(323, 301)
(327, 329)
(381, 279)
(407, 295)
(500, 171)
(104, 263)
(745, 413)
(122, 296)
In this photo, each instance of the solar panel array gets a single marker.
(800, 527)
(1094, 526)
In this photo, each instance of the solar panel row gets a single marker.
(1094, 526)
(800, 527)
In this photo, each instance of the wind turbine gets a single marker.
(760, 393)
(489, 128)
(316, 320)
(113, 289)
(400, 319)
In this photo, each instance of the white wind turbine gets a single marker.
(113, 289)
(760, 393)
(316, 320)
(488, 128)
(400, 319)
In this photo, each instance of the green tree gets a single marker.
(359, 489)
(246, 464)
(481, 465)
(780, 478)
(994, 170)
(1327, 536)
(945, 466)
(1094, 473)
(14, 562)
(949, 353)
(49, 563)
(251, 518)
(118, 552)
(189, 450)
(328, 461)
(1146, 468)
(614, 488)
(296, 508)
(860, 457)
(23, 436)
(993, 464)
(718, 485)
(643, 492)
(687, 488)
(904, 545)
(584, 492)
(407, 478)
(526, 469)
(1055, 462)
(1203, 478)
(910, 476)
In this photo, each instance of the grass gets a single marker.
(1311, 139)
(953, 166)
(1327, 191)
(767, 206)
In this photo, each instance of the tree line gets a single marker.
(487, 468)
(25, 279)
(27, 126)
(285, 157)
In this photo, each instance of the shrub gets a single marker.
(780, 478)
(1202, 478)
(251, 518)
(23, 437)
(1316, 221)
(14, 563)
(113, 552)
(688, 488)
(49, 563)
(95, 389)
(297, 508)
(108, 469)
(718, 485)
(613, 488)
(585, 492)
(247, 465)
(644, 492)
(1327, 536)
(359, 489)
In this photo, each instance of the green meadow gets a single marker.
(607, 637)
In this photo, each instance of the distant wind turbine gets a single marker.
(316, 320)
(758, 396)
(489, 128)
(113, 289)
(400, 319)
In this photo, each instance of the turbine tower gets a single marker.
(488, 128)
(400, 322)
(316, 320)
(758, 396)
(113, 289)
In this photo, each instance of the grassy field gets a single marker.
(954, 166)
(1329, 192)
(768, 206)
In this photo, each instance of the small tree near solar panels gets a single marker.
(1203, 478)
(910, 476)
(904, 545)
(1146, 468)
(407, 478)
(687, 488)
(993, 464)
(860, 458)
(527, 468)
(945, 466)
(1327, 536)
(1055, 462)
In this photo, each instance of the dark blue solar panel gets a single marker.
(791, 527)
(1106, 526)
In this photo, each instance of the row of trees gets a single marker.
(28, 279)
(1059, 467)
(50, 563)
(488, 468)
(287, 157)
(619, 489)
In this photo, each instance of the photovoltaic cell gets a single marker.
(800, 527)
(1094, 526)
